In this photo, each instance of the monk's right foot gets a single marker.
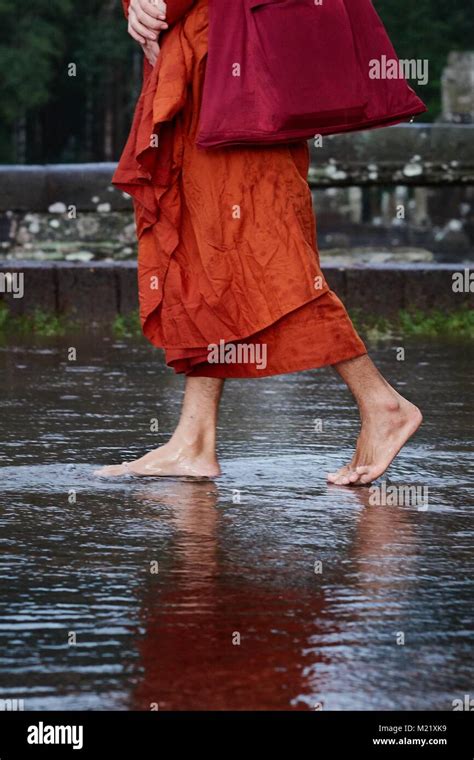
(174, 459)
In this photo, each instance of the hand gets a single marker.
(151, 50)
(146, 19)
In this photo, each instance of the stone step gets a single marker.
(97, 293)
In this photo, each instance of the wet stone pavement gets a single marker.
(266, 589)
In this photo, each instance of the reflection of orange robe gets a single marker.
(227, 240)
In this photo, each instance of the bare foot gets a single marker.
(175, 458)
(384, 431)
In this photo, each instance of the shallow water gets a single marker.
(235, 557)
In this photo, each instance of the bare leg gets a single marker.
(191, 449)
(387, 422)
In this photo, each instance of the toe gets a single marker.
(111, 471)
(366, 474)
(333, 476)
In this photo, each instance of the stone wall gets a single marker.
(96, 294)
(403, 193)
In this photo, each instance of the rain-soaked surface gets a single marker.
(237, 557)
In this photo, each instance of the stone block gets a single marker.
(38, 284)
(88, 293)
(375, 290)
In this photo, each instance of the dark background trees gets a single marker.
(70, 74)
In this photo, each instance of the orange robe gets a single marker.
(227, 249)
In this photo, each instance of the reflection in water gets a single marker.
(190, 652)
(216, 638)
(295, 595)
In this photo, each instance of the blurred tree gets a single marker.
(428, 29)
(70, 74)
(107, 78)
(69, 77)
(32, 42)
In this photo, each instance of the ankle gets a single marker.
(196, 440)
(384, 403)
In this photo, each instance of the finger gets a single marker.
(150, 21)
(136, 36)
(153, 47)
(157, 5)
(155, 10)
(134, 23)
(148, 57)
(151, 51)
(152, 59)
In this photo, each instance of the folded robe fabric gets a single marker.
(227, 241)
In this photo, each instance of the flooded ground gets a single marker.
(264, 590)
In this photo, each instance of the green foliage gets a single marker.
(32, 43)
(435, 324)
(127, 326)
(38, 323)
(428, 29)
(47, 115)
(4, 317)
(438, 323)
(431, 324)
(372, 326)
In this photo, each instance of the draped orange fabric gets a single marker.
(229, 278)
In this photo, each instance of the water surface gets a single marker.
(235, 558)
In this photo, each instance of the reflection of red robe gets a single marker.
(189, 658)
(227, 239)
(214, 638)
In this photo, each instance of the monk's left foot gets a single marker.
(383, 433)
